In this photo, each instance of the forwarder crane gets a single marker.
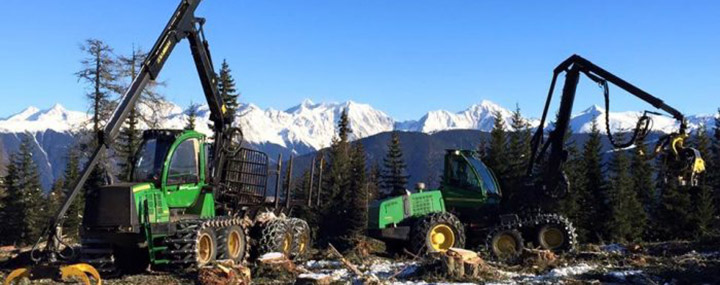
(469, 205)
(188, 201)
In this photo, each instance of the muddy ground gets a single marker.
(676, 262)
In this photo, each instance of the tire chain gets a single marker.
(182, 246)
(541, 219)
(418, 244)
(298, 226)
(268, 240)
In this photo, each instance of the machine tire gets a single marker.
(275, 236)
(556, 233)
(436, 232)
(301, 238)
(505, 244)
(205, 247)
(234, 244)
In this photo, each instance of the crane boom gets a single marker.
(573, 66)
(183, 24)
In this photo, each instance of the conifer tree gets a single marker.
(374, 182)
(99, 72)
(570, 204)
(337, 179)
(356, 199)
(55, 198)
(191, 112)
(591, 197)
(642, 171)
(25, 205)
(394, 178)
(674, 216)
(518, 152)
(497, 149)
(627, 216)
(226, 87)
(704, 202)
(75, 210)
(713, 160)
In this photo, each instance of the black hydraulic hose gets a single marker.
(642, 128)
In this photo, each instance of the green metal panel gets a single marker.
(394, 210)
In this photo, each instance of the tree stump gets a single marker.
(462, 263)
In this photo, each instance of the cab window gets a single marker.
(463, 175)
(184, 165)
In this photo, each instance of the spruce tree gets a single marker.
(394, 178)
(518, 152)
(355, 200)
(191, 112)
(25, 204)
(128, 143)
(73, 219)
(713, 160)
(591, 196)
(570, 204)
(627, 216)
(337, 179)
(641, 170)
(374, 182)
(497, 149)
(226, 88)
(704, 210)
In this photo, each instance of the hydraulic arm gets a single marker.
(686, 161)
(183, 24)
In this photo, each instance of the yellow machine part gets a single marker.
(77, 271)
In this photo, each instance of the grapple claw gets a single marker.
(15, 274)
(80, 270)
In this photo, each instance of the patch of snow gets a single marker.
(569, 271)
(271, 255)
(614, 248)
(321, 264)
(622, 275)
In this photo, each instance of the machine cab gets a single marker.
(174, 161)
(467, 181)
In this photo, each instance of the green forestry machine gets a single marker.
(469, 204)
(189, 201)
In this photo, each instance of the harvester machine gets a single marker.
(189, 200)
(469, 210)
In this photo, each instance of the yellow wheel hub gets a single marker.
(234, 244)
(204, 248)
(505, 245)
(286, 244)
(552, 237)
(302, 243)
(441, 238)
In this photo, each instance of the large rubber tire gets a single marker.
(234, 244)
(205, 247)
(436, 232)
(505, 244)
(556, 233)
(275, 236)
(301, 238)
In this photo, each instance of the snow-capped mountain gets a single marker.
(298, 130)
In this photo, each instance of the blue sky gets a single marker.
(402, 57)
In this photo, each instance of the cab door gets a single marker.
(183, 178)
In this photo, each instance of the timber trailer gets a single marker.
(189, 201)
(469, 204)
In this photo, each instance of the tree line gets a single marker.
(25, 207)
